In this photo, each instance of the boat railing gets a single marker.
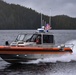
(69, 45)
(42, 45)
(66, 46)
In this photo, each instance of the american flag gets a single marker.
(47, 27)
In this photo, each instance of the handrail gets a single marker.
(69, 45)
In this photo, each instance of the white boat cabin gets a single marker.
(37, 38)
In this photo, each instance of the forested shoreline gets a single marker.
(18, 17)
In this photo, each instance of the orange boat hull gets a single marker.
(33, 50)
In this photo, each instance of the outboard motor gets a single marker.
(6, 43)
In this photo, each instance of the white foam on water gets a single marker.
(66, 58)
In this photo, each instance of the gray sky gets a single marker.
(49, 7)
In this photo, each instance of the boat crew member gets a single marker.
(38, 40)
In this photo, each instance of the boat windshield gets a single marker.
(23, 37)
(40, 38)
(20, 37)
(28, 37)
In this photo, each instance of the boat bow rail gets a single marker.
(71, 46)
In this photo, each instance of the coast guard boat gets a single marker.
(32, 46)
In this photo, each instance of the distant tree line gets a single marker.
(18, 17)
(63, 22)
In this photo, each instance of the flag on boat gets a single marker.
(47, 27)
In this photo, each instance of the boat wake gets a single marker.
(64, 58)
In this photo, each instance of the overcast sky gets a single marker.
(49, 7)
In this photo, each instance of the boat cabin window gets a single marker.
(20, 37)
(24, 37)
(48, 39)
(35, 37)
(38, 38)
(28, 37)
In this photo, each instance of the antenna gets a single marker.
(50, 17)
(41, 19)
(50, 20)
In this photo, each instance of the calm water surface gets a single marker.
(52, 68)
